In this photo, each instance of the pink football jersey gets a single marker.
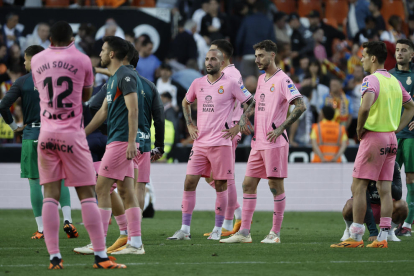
(273, 97)
(215, 102)
(232, 72)
(60, 74)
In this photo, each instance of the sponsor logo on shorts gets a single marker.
(355, 169)
(274, 169)
(191, 154)
(59, 146)
(106, 168)
(228, 171)
(389, 149)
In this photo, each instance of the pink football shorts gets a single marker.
(376, 156)
(268, 163)
(114, 163)
(96, 166)
(65, 156)
(143, 164)
(218, 159)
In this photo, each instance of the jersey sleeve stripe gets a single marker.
(296, 97)
(407, 101)
(188, 100)
(248, 99)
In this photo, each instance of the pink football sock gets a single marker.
(221, 206)
(278, 211)
(134, 221)
(106, 216)
(249, 204)
(385, 222)
(187, 206)
(93, 223)
(122, 222)
(51, 223)
(232, 203)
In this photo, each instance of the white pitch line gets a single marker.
(224, 263)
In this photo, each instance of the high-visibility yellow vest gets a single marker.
(168, 139)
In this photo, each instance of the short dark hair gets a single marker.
(407, 42)
(377, 49)
(10, 15)
(130, 54)
(61, 32)
(377, 3)
(165, 66)
(33, 50)
(267, 45)
(147, 40)
(306, 91)
(135, 59)
(224, 46)
(328, 112)
(117, 45)
(167, 95)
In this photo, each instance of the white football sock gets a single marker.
(407, 225)
(101, 254)
(124, 232)
(383, 235)
(357, 231)
(393, 226)
(218, 229)
(228, 224)
(136, 241)
(39, 224)
(55, 255)
(67, 214)
(238, 213)
(185, 229)
(348, 224)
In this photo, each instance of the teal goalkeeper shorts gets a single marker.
(28, 162)
(405, 154)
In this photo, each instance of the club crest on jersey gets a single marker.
(272, 89)
(364, 86)
(409, 81)
(221, 90)
(292, 89)
(127, 79)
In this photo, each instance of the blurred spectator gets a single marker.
(282, 58)
(411, 27)
(355, 58)
(167, 4)
(300, 40)
(9, 31)
(303, 67)
(15, 59)
(319, 50)
(148, 63)
(375, 8)
(214, 24)
(202, 47)
(110, 22)
(200, 13)
(112, 3)
(409, 6)
(184, 47)
(339, 101)
(3, 54)
(169, 110)
(110, 30)
(84, 41)
(187, 76)
(251, 84)
(330, 33)
(370, 27)
(280, 27)
(166, 84)
(130, 38)
(40, 37)
(77, 4)
(355, 93)
(358, 10)
(394, 31)
(316, 74)
(14, 72)
(329, 139)
(254, 29)
(299, 132)
(236, 19)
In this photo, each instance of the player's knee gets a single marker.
(400, 210)
(221, 185)
(409, 178)
(190, 184)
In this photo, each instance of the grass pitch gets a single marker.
(306, 237)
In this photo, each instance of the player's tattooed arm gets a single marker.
(300, 107)
(192, 129)
(244, 122)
